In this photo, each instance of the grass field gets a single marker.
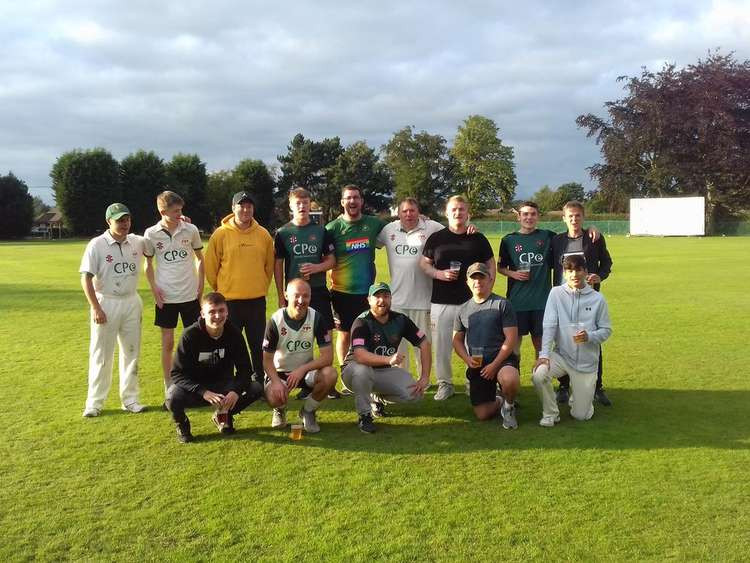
(663, 474)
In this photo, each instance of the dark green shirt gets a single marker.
(533, 248)
(382, 338)
(303, 245)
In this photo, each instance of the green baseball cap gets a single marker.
(115, 211)
(380, 286)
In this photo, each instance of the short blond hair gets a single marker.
(457, 199)
(167, 199)
(574, 205)
(299, 193)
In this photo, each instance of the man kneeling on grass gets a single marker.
(371, 367)
(288, 356)
(203, 370)
(487, 324)
(576, 320)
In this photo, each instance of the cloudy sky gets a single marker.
(233, 80)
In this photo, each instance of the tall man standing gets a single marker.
(239, 264)
(403, 240)
(354, 236)
(109, 276)
(598, 263)
(446, 256)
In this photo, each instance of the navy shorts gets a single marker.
(166, 317)
(530, 322)
(346, 308)
(483, 390)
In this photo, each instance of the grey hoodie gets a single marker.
(566, 306)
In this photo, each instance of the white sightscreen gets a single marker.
(668, 216)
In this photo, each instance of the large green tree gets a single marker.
(309, 164)
(221, 186)
(420, 166)
(186, 175)
(142, 178)
(360, 165)
(553, 200)
(485, 165)
(253, 176)
(85, 183)
(16, 207)
(678, 132)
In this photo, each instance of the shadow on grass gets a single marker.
(640, 419)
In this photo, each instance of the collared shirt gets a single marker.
(410, 287)
(114, 265)
(174, 254)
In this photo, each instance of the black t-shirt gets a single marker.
(445, 247)
(382, 338)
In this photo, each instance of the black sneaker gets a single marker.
(303, 394)
(366, 424)
(334, 394)
(183, 431)
(377, 409)
(563, 395)
(601, 396)
(224, 427)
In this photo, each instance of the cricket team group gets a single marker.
(439, 301)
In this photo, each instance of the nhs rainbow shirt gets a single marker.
(355, 253)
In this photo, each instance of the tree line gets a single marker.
(417, 164)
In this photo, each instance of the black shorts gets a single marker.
(166, 317)
(483, 390)
(346, 308)
(301, 384)
(320, 300)
(530, 322)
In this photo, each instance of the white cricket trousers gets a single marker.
(582, 387)
(441, 319)
(421, 318)
(124, 324)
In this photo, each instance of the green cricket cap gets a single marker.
(115, 211)
(380, 286)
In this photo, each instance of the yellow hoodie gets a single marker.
(239, 262)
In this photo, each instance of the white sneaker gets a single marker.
(91, 412)
(134, 407)
(549, 421)
(279, 418)
(445, 391)
(508, 412)
(309, 421)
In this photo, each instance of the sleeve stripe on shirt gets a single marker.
(358, 342)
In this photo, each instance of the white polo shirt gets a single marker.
(410, 287)
(115, 266)
(174, 254)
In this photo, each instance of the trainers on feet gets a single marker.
(549, 421)
(278, 420)
(134, 407)
(225, 425)
(601, 396)
(303, 394)
(562, 395)
(445, 391)
(508, 413)
(366, 424)
(333, 394)
(377, 409)
(309, 421)
(91, 412)
(183, 431)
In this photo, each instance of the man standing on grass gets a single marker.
(372, 366)
(577, 241)
(109, 276)
(487, 325)
(354, 237)
(239, 264)
(446, 257)
(177, 284)
(288, 358)
(203, 372)
(576, 322)
(403, 240)
(305, 250)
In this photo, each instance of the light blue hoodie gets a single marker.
(566, 306)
